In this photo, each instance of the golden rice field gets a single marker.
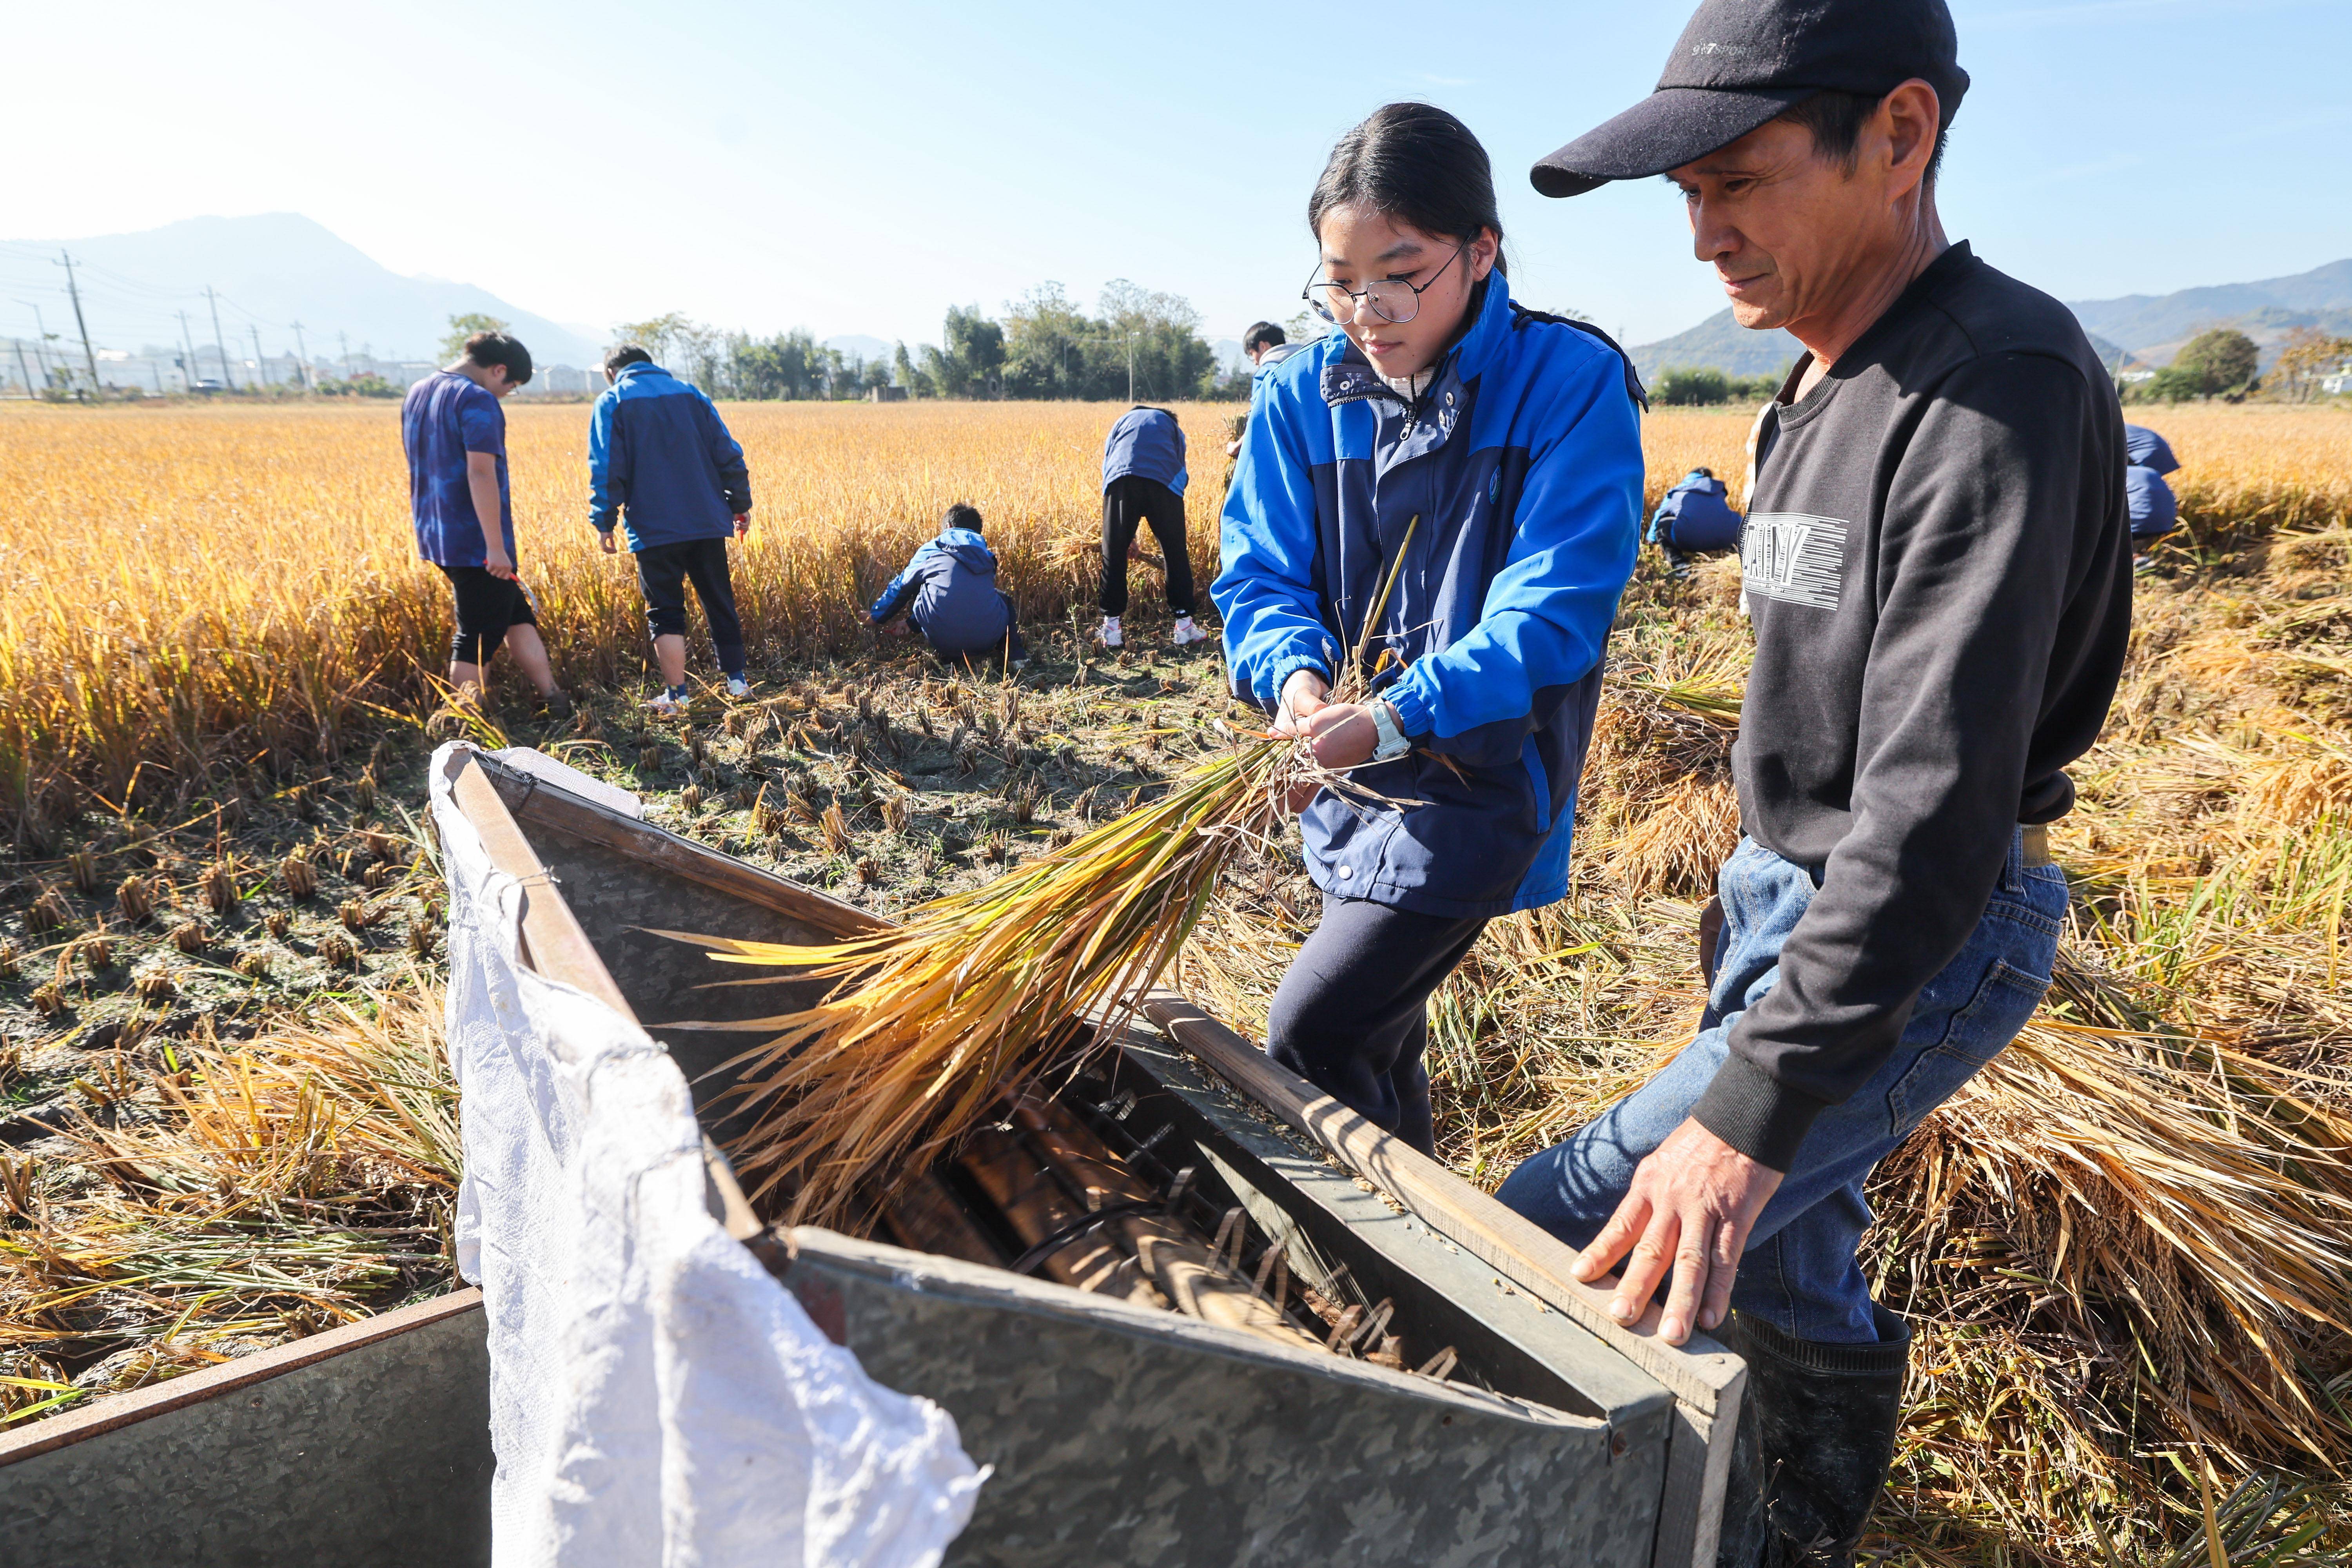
(2128, 1247)
(173, 578)
(178, 576)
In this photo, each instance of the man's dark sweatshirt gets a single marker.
(1937, 558)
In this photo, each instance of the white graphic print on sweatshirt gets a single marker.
(1794, 558)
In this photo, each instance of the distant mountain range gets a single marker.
(2154, 327)
(282, 267)
(858, 345)
(2145, 329)
(1719, 342)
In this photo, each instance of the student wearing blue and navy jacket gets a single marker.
(1496, 453)
(660, 457)
(1143, 482)
(949, 590)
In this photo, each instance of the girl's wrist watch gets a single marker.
(1391, 742)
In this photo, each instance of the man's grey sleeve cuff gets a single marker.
(1755, 1113)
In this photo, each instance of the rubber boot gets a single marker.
(1816, 1435)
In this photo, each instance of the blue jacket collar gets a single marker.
(1350, 376)
(645, 367)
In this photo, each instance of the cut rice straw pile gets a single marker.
(255, 1195)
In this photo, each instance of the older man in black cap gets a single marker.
(1935, 558)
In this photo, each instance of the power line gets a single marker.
(251, 316)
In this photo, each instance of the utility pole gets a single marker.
(88, 358)
(301, 358)
(343, 342)
(188, 366)
(261, 371)
(24, 370)
(220, 346)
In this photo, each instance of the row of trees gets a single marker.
(1138, 344)
(1706, 385)
(2224, 362)
(1143, 346)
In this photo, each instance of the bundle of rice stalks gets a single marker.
(2181, 1205)
(300, 1181)
(933, 1021)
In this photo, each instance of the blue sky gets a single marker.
(856, 168)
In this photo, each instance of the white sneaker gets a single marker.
(738, 688)
(1186, 632)
(665, 706)
(1110, 636)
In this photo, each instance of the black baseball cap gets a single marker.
(1742, 62)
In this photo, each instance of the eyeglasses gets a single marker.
(1393, 299)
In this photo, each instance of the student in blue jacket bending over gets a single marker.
(1143, 482)
(660, 456)
(1493, 452)
(949, 590)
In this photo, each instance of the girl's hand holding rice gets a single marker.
(1341, 734)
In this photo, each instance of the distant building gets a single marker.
(562, 381)
(885, 395)
(2338, 384)
(148, 372)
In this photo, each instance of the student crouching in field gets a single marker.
(456, 436)
(1143, 482)
(2155, 510)
(949, 590)
(661, 462)
(1489, 458)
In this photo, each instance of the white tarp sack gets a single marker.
(655, 1396)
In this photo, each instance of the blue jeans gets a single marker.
(1800, 1273)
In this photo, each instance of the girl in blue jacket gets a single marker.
(1491, 453)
